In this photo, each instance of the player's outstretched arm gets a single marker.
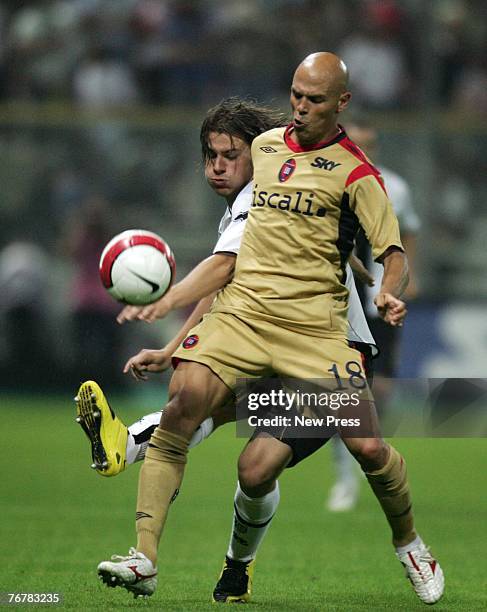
(394, 282)
(208, 276)
(159, 360)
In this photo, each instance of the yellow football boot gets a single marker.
(106, 432)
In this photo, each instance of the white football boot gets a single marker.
(134, 572)
(424, 572)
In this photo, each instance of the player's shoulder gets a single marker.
(274, 136)
(353, 153)
(357, 164)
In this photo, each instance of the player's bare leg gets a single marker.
(194, 392)
(386, 473)
(255, 503)
(140, 432)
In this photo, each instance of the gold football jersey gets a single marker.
(308, 204)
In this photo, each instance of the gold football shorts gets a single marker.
(233, 348)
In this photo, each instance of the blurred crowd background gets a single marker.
(100, 106)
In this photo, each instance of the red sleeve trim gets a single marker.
(365, 169)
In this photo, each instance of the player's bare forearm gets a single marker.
(360, 271)
(194, 318)
(389, 305)
(396, 275)
(209, 276)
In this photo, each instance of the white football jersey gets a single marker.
(230, 232)
(232, 224)
(409, 223)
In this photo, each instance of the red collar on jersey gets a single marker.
(297, 148)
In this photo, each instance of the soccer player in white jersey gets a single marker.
(249, 333)
(345, 491)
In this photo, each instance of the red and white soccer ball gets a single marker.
(137, 267)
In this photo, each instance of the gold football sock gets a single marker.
(159, 481)
(391, 487)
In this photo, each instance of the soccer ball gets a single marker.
(137, 267)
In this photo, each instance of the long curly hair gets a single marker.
(240, 118)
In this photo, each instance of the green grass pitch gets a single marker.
(59, 519)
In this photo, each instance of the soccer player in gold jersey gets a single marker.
(284, 313)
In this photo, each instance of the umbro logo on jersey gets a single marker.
(324, 164)
(268, 149)
(287, 168)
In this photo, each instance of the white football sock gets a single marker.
(409, 547)
(202, 432)
(251, 520)
(141, 431)
(139, 436)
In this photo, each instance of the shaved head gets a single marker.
(326, 69)
(319, 92)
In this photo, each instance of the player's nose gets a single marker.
(302, 107)
(219, 165)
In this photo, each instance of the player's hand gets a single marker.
(148, 360)
(149, 313)
(129, 313)
(391, 309)
(157, 310)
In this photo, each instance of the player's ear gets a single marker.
(343, 101)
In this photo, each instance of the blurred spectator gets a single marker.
(169, 54)
(376, 57)
(42, 47)
(449, 43)
(470, 89)
(102, 81)
(25, 355)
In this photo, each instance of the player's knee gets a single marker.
(255, 477)
(371, 453)
(184, 411)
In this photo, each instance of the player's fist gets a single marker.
(148, 360)
(391, 309)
